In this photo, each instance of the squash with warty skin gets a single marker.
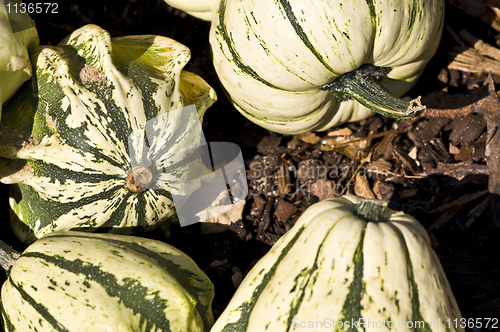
(293, 66)
(78, 281)
(102, 137)
(18, 37)
(346, 259)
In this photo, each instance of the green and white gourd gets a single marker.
(201, 9)
(18, 37)
(77, 281)
(350, 260)
(293, 66)
(103, 136)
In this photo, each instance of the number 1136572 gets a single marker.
(32, 7)
(485, 323)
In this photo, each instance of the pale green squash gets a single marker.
(198, 8)
(98, 113)
(76, 281)
(293, 66)
(345, 260)
(18, 37)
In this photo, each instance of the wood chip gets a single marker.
(477, 211)
(461, 201)
(486, 10)
(362, 187)
(284, 210)
(309, 137)
(489, 106)
(383, 190)
(323, 189)
(340, 132)
(443, 219)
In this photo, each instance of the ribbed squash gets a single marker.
(102, 136)
(77, 281)
(198, 8)
(18, 37)
(345, 260)
(297, 65)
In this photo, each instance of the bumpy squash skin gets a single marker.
(76, 281)
(18, 37)
(96, 108)
(335, 266)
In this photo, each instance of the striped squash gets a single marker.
(198, 8)
(18, 37)
(104, 135)
(337, 265)
(293, 66)
(78, 281)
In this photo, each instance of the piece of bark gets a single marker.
(284, 210)
(269, 144)
(408, 163)
(482, 47)
(477, 211)
(472, 61)
(489, 107)
(467, 130)
(486, 10)
(383, 190)
(323, 189)
(433, 127)
(459, 170)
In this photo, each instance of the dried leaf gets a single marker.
(309, 137)
(362, 187)
(379, 166)
(340, 132)
(454, 149)
(221, 222)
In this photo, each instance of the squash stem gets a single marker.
(372, 210)
(8, 257)
(362, 85)
(139, 179)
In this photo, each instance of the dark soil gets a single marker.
(445, 189)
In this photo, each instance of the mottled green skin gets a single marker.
(339, 264)
(18, 37)
(96, 108)
(76, 281)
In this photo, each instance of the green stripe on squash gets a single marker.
(346, 259)
(75, 281)
(96, 109)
